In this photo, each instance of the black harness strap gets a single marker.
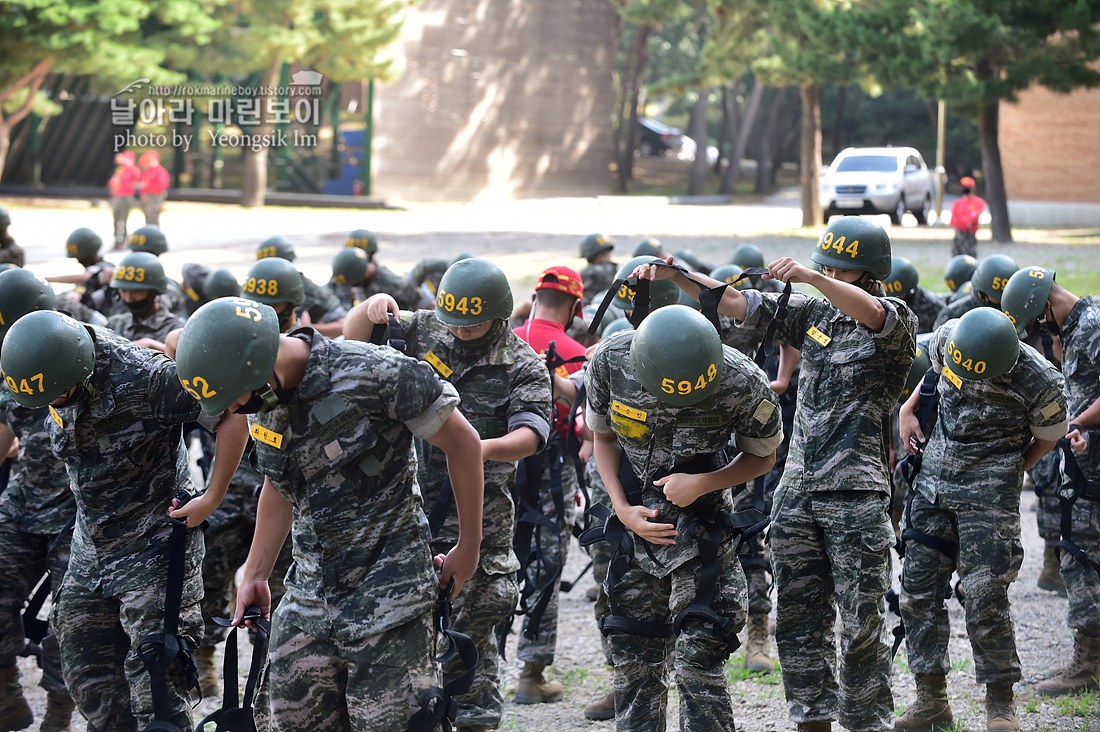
(35, 629)
(438, 707)
(1079, 486)
(159, 650)
(441, 507)
(893, 602)
(231, 717)
(390, 334)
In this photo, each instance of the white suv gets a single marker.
(870, 180)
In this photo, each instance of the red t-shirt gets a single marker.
(123, 181)
(965, 212)
(538, 334)
(154, 179)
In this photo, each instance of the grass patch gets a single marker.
(1078, 705)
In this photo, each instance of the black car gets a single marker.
(657, 138)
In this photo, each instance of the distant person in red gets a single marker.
(123, 185)
(964, 219)
(154, 186)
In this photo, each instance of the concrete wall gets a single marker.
(498, 99)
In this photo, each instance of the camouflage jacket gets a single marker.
(1081, 365)
(400, 289)
(849, 381)
(38, 498)
(956, 308)
(156, 326)
(322, 305)
(976, 450)
(174, 299)
(656, 437)
(597, 278)
(348, 295)
(504, 386)
(339, 449)
(121, 444)
(428, 273)
(926, 306)
(745, 340)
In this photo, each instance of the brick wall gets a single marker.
(498, 99)
(1050, 146)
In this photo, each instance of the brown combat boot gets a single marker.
(1080, 674)
(602, 708)
(757, 657)
(59, 713)
(1000, 709)
(1050, 577)
(15, 713)
(534, 689)
(208, 673)
(931, 711)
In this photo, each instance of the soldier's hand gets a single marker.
(910, 432)
(252, 592)
(680, 488)
(652, 271)
(637, 519)
(458, 565)
(1076, 440)
(195, 511)
(380, 306)
(786, 269)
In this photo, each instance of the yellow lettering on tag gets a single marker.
(56, 417)
(626, 411)
(266, 436)
(439, 366)
(952, 377)
(764, 411)
(1050, 410)
(818, 336)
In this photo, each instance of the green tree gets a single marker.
(977, 53)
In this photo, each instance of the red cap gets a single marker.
(561, 279)
(128, 156)
(966, 182)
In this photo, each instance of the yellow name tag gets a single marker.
(267, 436)
(626, 411)
(439, 366)
(192, 294)
(818, 336)
(952, 377)
(56, 417)
(1050, 410)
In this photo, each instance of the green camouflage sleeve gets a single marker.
(597, 389)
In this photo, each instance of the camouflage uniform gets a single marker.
(926, 306)
(428, 272)
(321, 304)
(655, 437)
(156, 326)
(968, 494)
(174, 299)
(597, 278)
(118, 441)
(504, 386)
(600, 551)
(831, 535)
(94, 301)
(956, 308)
(34, 509)
(1080, 336)
(348, 295)
(407, 294)
(351, 642)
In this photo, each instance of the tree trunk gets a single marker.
(836, 139)
(746, 121)
(810, 167)
(631, 93)
(767, 143)
(995, 196)
(32, 81)
(725, 129)
(254, 162)
(697, 178)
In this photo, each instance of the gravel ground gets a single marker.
(524, 238)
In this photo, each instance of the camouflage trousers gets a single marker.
(554, 547)
(485, 601)
(1082, 584)
(24, 557)
(103, 671)
(1046, 475)
(700, 653)
(340, 684)
(830, 550)
(990, 555)
(600, 551)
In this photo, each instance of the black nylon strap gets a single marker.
(390, 333)
(438, 707)
(1079, 487)
(231, 717)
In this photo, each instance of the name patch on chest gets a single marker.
(437, 364)
(266, 436)
(952, 377)
(699, 420)
(631, 412)
(818, 336)
(56, 417)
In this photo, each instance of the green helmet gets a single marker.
(82, 244)
(276, 246)
(964, 290)
(851, 242)
(982, 345)
(917, 369)
(228, 348)
(45, 354)
(221, 283)
(677, 356)
(349, 266)
(148, 238)
(363, 239)
(618, 325)
(992, 273)
(274, 280)
(140, 271)
(5, 266)
(747, 255)
(594, 244)
(903, 277)
(688, 256)
(648, 248)
(728, 273)
(661, 292)
(1025, 296)
(959, 269)
(472, 292)
(22, 292)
